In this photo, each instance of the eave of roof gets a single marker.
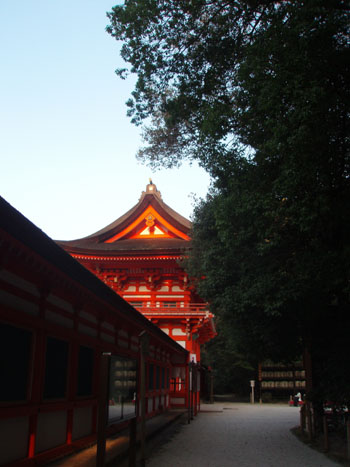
(132, 246)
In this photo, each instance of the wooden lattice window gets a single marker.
(56, 368)
(15, 354)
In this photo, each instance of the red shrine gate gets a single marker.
(139, 256)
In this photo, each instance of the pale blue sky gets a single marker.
(67, 149)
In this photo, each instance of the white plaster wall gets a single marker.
(170, 296)
(59, 319)
(18, 303)
(87, 330)
(19, 282)
(136, 296)
(107, 325)
(51, 430)
(123, 344)
(13, 439)
(82, 422)
(177, 400)
(182, 343)
(107, 337)
(60, 303)
(178, 332)
(88, 316)
(123, 333)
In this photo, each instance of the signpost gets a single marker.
(252, 385)
(116, 401)
(102, 410)
(144, 344)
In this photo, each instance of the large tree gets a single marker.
(257, 92)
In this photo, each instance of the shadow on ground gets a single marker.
(337, 450)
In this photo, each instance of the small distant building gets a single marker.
(140, 257)
(281, 381)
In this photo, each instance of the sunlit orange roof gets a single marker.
(151, 225)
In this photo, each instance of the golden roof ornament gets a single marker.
(152, 189)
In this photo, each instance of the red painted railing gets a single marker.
(193, 308)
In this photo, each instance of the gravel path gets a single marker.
(242, 435)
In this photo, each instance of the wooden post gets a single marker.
(192, 392)
(325, 434)
(194, 389)
(348, 437)
(294, 390)
(309, 420)
(260, 380)
(308, 370)
(132, 442)
(302, 419)
(211, 388)
(102, 410)
(189, 377)
(144, 347)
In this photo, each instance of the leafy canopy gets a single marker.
(199, 62)
(256, 91)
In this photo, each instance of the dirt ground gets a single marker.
(243, 435)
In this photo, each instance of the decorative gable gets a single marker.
(150, 219)
(149, 224)
(156, 232)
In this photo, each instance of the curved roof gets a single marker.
(150, 226)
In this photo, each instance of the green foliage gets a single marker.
(199, 63)
(258, 93)
(231, 369)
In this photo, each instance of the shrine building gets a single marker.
(59, 326)
(139, 256)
